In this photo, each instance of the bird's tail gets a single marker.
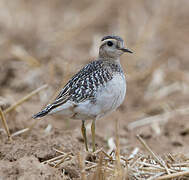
(40, 114)
(43, 112)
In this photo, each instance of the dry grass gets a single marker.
(4, 122)
(114, 166)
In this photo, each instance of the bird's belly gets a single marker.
(112, 95)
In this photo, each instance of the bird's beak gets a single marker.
(125, 50)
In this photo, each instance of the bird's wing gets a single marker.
(83, 85)
(79, 80)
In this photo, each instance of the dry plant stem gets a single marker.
(118, 169)
(59, 151)
(134, 161)
(175, 175)
(117, 147)
(152, 153)
(110, 158)
(20, 132)
(93, 134)
(102, 151)
(158, 118)
(154, 166)
(59, 160)
(98, 151)
(149, 120)
(83, 131)
(90, 167)
(156, 175)
(99, 169)
(170, 157)
(53, 159)
(62, 160)
(90, 162)
(81, 165)
(180, 165)
(4, 122)
(25, 98)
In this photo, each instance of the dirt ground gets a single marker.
(46, 42)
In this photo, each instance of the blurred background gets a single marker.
(46, 42)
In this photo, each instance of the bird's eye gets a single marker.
(110, 43)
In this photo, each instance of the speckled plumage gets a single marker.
(97, 89)
(85, 84)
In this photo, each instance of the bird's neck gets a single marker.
(110, 60)
(113, 64)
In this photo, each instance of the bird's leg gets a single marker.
(93, 134)
(83, 130)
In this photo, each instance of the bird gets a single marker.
(95, 91)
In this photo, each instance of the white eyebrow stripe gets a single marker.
(112, 40)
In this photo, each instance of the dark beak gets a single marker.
(125, 50)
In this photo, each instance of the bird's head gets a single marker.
(112, 47)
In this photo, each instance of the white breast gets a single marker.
(112, 96)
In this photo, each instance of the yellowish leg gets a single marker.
(83, 130)
(93, 134)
